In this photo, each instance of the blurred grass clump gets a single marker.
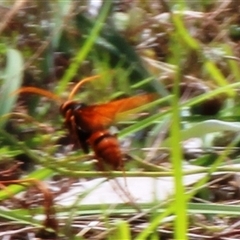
(185, 51)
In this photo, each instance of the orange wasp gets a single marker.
(88, 124)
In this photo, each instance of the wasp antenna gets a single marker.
(76, 88)
(39, 91)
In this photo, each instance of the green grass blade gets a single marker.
(216, 74)
(13, 189)
(122, 230)
(85, 49)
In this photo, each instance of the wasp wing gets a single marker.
(97, 117)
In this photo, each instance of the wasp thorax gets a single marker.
(70, 106)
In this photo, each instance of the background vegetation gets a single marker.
(186, 142)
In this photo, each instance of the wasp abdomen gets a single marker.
(106, 148)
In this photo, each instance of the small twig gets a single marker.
(232, 58)
(10, 14)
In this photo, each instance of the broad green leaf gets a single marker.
(11, 81)
(206, 127)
